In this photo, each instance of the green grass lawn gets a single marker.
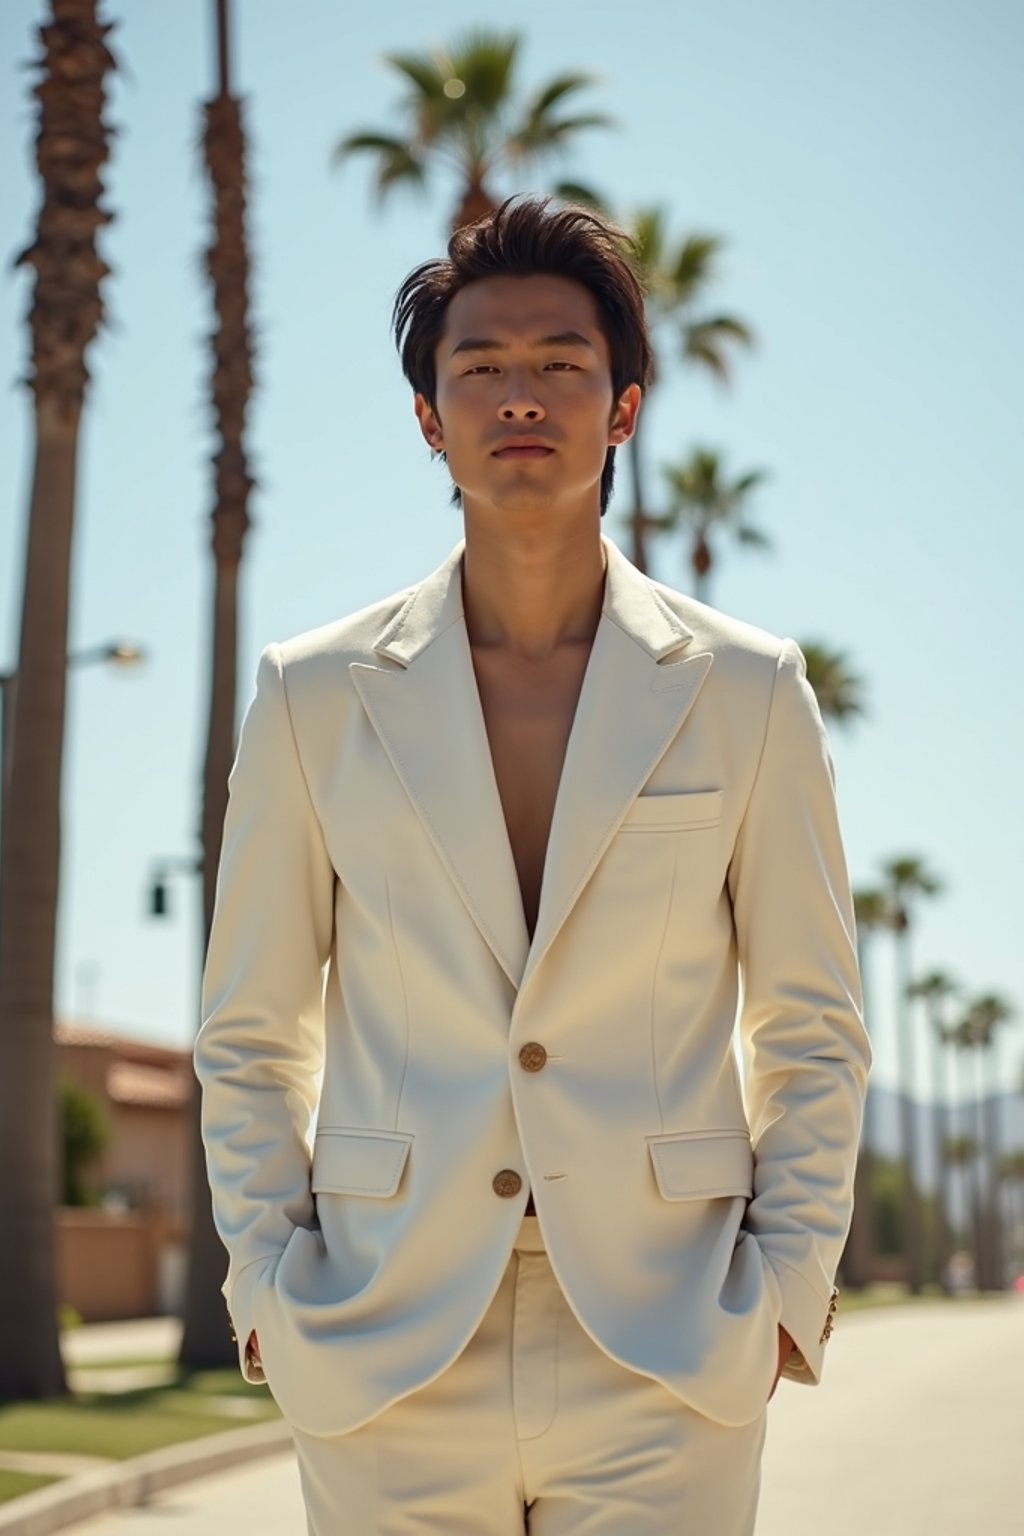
(14, 1484)
(126, 1424)
(898, 1295)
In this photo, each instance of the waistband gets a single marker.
(529, 1238)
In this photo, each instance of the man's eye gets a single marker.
(480, 367)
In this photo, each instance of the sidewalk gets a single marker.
(92, 1485)
(261, 1500)
(139, 1339)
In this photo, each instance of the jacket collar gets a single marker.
(630, 601)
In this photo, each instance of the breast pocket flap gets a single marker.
(349, 1162)
(667, 813)
(702, 1165)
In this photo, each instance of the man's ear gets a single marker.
(430, 425)
(624, 416)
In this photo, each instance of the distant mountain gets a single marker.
(884, 1112)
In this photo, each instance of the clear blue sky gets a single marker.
(862, 163)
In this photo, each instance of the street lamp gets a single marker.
(116, 653)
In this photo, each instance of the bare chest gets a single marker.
(528, 712)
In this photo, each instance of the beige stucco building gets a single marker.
(125, 1258)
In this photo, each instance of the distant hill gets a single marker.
(885, 1110)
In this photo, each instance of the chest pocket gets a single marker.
(675, 812)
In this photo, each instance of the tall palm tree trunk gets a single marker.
(641, 511)
(943, 1244)
(30, 1362)
(905, 1046)
(965, 1055)
(71, 149)
(991, 1207)
(859, 1253)
(206, 1339)
(700, 564)
(978, 1175)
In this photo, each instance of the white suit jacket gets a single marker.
(369, 928)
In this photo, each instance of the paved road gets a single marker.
(915, 1431)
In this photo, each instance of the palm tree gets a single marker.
(66, 313)
(963, 1040)
(838, 690)
(871, 911)
(906, 879)
(981, 1024)
(934, 989)
(701, 502)
(461, 113)
(675, 279)
(205, 1339)
(960, 1152)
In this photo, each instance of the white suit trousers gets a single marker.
(533, 1428)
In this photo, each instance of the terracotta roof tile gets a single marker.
(129, 1083)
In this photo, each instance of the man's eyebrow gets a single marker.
(486, 344)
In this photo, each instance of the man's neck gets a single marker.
(528, 595)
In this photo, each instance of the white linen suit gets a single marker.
(369, 925)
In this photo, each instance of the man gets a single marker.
(498, 852)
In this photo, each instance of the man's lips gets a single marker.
(536, 452)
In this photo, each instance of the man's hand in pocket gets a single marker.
(786, 1346)
(252, 1351)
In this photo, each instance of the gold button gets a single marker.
(532, 1057)
(507, 1183)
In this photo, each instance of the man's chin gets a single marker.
(512, 500)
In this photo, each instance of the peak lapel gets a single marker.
(430, 723)
(631, 705)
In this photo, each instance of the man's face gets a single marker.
(526, 357)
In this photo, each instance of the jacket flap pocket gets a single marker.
(358, 1162)
(663, 813)
(695, 1165)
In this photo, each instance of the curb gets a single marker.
(135, 1481)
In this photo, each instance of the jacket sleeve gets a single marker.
(260, 1046)
(806, 1054)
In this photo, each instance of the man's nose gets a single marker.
(520, 403)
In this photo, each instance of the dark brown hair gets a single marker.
(517, 240)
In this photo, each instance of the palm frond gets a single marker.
(536, 136)
(908, 873)
(403, 166)
(576, 192)
(663, 522)
(693, 264)
(728, 325)
(647, 227)
(556, 89)
(872, 908)
(355, 142)
(838, 691)
(485, 63)
(700, 346)
(421, 71)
